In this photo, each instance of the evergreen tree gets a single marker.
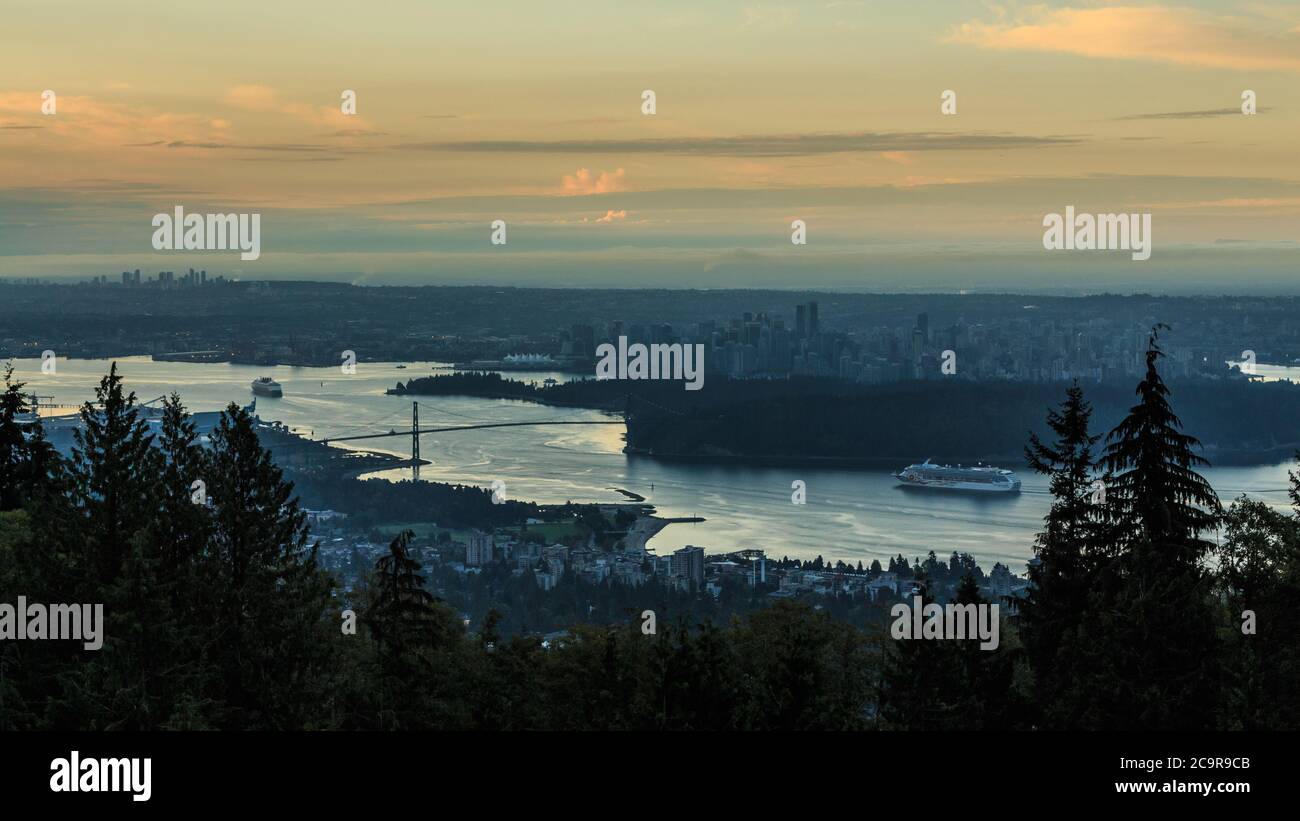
(27, 461)
(1258, 580)
(1156, 644)
(175, 606)
(1163, 505)
(114, 474)
(95, 549)
(1068, 552)
(13, 404)
(693, 679)
(985, 691)
(918, 685)
(183, 524)
(409, 629)
(273, 609)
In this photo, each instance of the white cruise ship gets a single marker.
(266, 386)
(979, 477)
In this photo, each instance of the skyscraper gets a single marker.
(688, 563)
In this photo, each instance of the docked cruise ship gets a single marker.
(979, 477)
(266, 386)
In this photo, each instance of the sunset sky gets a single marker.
(530, 112)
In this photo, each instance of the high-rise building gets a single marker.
(478, 551)
(688, 563)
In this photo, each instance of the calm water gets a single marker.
(850, 515)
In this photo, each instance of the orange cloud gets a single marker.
(266, 99)
(582, 182)
(610, 216)
(253, 98)
(1156, 33)
(82, 121)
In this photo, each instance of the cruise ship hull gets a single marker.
(982, 487)
(978, 478)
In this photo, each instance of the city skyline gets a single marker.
(826, 112)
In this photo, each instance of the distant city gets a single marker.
(864, 338)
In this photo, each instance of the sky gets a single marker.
(827, 112)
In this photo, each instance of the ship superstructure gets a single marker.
(959, 477)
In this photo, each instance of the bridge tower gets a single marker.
(415, 441)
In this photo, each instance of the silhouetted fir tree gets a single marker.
(18, 677)
(401, 602)
(848, 690)
(1069, 550)
(183, 524)
(33, 562)
(790, 671)
(45, 478)
(692, 679)
(614, 683)
(1294, 490)
(27, 461)
(588, 678)
(170, 567)
(986, 695)
(490, 634)
(95, 549)
(409, 628)
(664, 678)
(16, 551)
(1163, 504)
(273, 605)
(917, 685)
(712, 691)
(1157, 650)
(932, 570)
(114, 472)
(13, 444)
(1258, 571)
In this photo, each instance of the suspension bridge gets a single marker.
(416, 430)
